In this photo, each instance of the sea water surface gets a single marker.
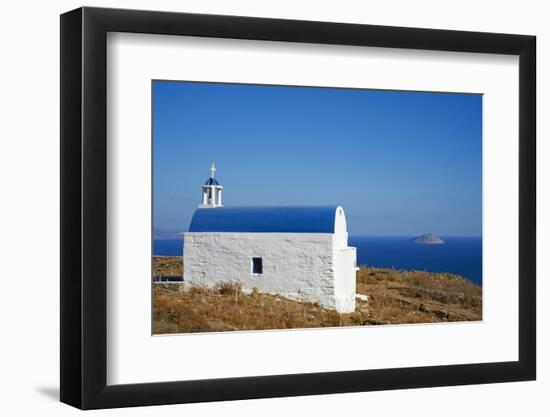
(459, 255)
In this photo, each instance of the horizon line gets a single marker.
(361, 235)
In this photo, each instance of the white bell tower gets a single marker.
(211, 191)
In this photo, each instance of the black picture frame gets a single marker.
(84, 207)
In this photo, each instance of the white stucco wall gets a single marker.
(295, 265)
(344, 278)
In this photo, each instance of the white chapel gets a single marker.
(298, 252)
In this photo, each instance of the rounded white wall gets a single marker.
(344, 265)
(340, 229)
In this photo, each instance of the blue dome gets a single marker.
(301, 219)
(212, 181)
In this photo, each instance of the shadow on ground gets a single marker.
(50, 392)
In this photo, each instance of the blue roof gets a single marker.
(300, 219)
(211, 181)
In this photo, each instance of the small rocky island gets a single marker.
(428, 239)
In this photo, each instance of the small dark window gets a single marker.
(257, 266)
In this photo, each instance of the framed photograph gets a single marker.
(256, 208)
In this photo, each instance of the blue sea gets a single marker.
(459, 255)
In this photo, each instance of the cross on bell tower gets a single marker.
(211, 191)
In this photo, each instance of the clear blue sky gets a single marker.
(400, 163)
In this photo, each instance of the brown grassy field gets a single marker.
(168, 265)
(395, 297)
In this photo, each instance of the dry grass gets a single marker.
(395, 297)
(168, 265)
(226, 307)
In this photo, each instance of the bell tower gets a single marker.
(211, 191)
